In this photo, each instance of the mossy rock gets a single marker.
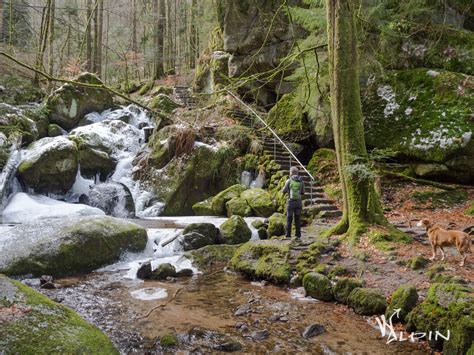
(198, 235)
(287, 118)
(265, 260)
(239, 137)
(206, 229)
(235, 231)
(417, 263)
(14, 121)
(343, 288)
(437, 198)
(50, 165)
(219, 201)
(404, 298)
(260, 201)
(95, 162)
(239, 207)
(66, 247)
(422, 115)
(55, 131)
(446, 307)
(262, 233)
(323, 166)
(18, 90)
(367, 301)
(258, 223)
(387, 238)
(169, 340)
(212, 255)
(38, 325)
(276, 225)
(163, 271)
(203, 208)
(164, 103)
(318, 286)
(71, 102)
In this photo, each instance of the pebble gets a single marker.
(313, 330)
(260, 335)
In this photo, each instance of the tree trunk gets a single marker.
(43, 39)
(193, 36)
(51, 41)
(159, 34)
(169, 32)
(98, 36)
(361, 202)
(89, 36)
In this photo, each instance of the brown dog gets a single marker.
(440, 238)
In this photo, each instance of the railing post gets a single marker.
(274, 148)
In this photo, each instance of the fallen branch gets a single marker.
(162, 305)
(73, 82)
(172, 239)
(439, 185)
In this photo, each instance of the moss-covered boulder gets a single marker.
(219, 201)
(265, 259)
(417, 262)
(17, 90)
(404, 298)
(446, 307)
(367, 301)
(260, 201)
(287, 118)
(343, 288)
(198, 235)
(33, 324)
(238, 136)
(235, 231)
(318, 286)
(212, 255)
(424, 115)
(239, 207)
(71, 102)
(163, 271)
(203, 208)
(14, 121)
(276, 225)
(55, 131)
(50, 165)
(95, 162)
(164, 103)
(70, 246)
(323, 166)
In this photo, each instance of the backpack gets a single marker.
(295, 190)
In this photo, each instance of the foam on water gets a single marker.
(150, 293)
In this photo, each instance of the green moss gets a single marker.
(470, 210)
(318, 286)
(287, 118)
(238, 206)
(203, 208)
(323, 166)
(440, 198)
(387, 238)
(343, 288)
(168, 340)
(276, 225)
(212, 255)
(146, 87)
(367, 301)
(235, 231)
(267, 260)
(260, 201)
(237, 136)
(337, 270)
(417, 263)
(219, 201)
(404, 298)
(163, 103)
(49, 328)
(446, 307)
(309, 259)
(18, 90)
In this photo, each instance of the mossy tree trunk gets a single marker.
(361, 202)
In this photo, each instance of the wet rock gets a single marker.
(318, 286)
(37, 325)
(262, 233)
(276, 225)
(229, 346)
(211, 255)
(198, 235)
(239, 207)
(47, 282)
(343, 288)
(203, 208)
(265, 259)
(260, 201)
(235, 231)
(144, 271)
(95, 162)
(184, 273)
(405, 299)
(260, 335)
(220, 200)
(313, 330)
(70, 103)
(114, 198)
(367, 301)
(163, 271)
(50, 165)
(258, 223)
(164, 103)
(69, 246)
(55, 131)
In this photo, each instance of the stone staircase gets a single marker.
(315, 200)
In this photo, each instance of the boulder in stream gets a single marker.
(70, 103)
(260, 201)
(68, 246)
(49, 165)
(114, 198)
(34, 324)
(198, 235)
(163, 271)
(235, 231)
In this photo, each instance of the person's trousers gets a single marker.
(293, 208)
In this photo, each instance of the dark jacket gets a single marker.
(286, 189)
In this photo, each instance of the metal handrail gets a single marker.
(274, 134)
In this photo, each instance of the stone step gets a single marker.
(331, 214)
(317, 201)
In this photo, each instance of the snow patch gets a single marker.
(387, 94)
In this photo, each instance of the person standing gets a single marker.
(294, 186)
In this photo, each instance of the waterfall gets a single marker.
(7, 175)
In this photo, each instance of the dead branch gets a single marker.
(162, 305)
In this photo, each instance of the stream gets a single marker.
(214, 311)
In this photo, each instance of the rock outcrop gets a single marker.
(114, 198)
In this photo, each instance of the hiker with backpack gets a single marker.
(294, 186)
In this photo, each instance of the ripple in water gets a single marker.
(149, 293)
